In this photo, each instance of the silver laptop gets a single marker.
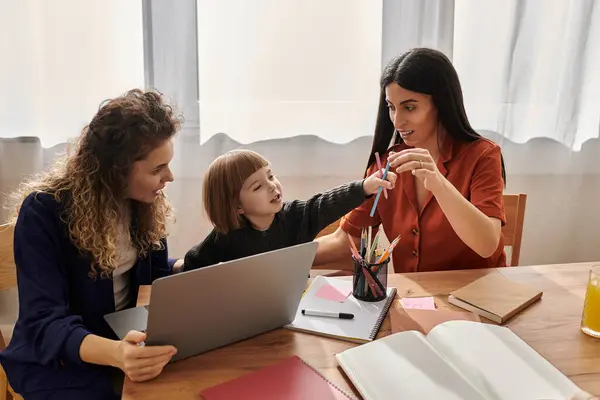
(210, 307)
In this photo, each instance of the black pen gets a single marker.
(329, 314)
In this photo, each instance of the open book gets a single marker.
(457, 360)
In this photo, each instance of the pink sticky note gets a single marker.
(329, 292)
(418, 303)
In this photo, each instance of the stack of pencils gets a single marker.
(368, 263)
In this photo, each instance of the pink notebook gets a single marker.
(291, 379)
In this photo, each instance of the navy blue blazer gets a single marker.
(59, 304)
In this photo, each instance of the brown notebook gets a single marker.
(494, 297)
(425, 320)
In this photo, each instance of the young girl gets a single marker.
(244, 201)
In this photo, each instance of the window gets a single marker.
(273, 69)
(62, 59)
(530, 70)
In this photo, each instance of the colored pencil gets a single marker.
(363, 243)
(369, 242)
(379, 169)
(389, 250)
(373, 248)
(353, 248)
(371, 281)
(387, 168)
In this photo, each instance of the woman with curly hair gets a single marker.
(87, 234)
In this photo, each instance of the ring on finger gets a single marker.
(421, 162)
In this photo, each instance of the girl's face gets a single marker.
(149, 176)
(261, 195)
(413, 114)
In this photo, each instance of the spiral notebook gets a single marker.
(290, 379)
(363, 328)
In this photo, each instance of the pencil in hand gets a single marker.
(379, 169)
(387, 168)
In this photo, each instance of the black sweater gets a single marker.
(298, 222)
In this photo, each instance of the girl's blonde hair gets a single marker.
(222, 184)
(91, 183)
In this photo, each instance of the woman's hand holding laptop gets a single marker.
(139, 362)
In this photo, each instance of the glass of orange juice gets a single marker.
(590, 320)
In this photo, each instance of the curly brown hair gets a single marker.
(92, 182)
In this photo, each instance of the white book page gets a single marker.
(404, 366)
(499, 363)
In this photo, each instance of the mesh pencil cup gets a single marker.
(370, 280)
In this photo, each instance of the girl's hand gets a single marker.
(373, 182)
(141, 363)
(420, 163)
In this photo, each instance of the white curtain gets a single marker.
(274, 69)
(61, 59)
(530, 68)
(417, 23)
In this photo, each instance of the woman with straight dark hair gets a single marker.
(447, 205)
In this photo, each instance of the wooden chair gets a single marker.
(514, 209)
(8, 280)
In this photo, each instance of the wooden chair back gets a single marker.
(514, 210)
(329, 229)
(8, 280)
(8, 270)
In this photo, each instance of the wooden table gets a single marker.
(550, 326)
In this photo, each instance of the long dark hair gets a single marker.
(430, 72)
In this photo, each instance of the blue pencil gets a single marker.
(387, 167)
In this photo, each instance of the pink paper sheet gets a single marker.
(418, 303)
(329, 292)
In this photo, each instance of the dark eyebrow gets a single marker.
(404, 101)
(269, 172)
(408, 101)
